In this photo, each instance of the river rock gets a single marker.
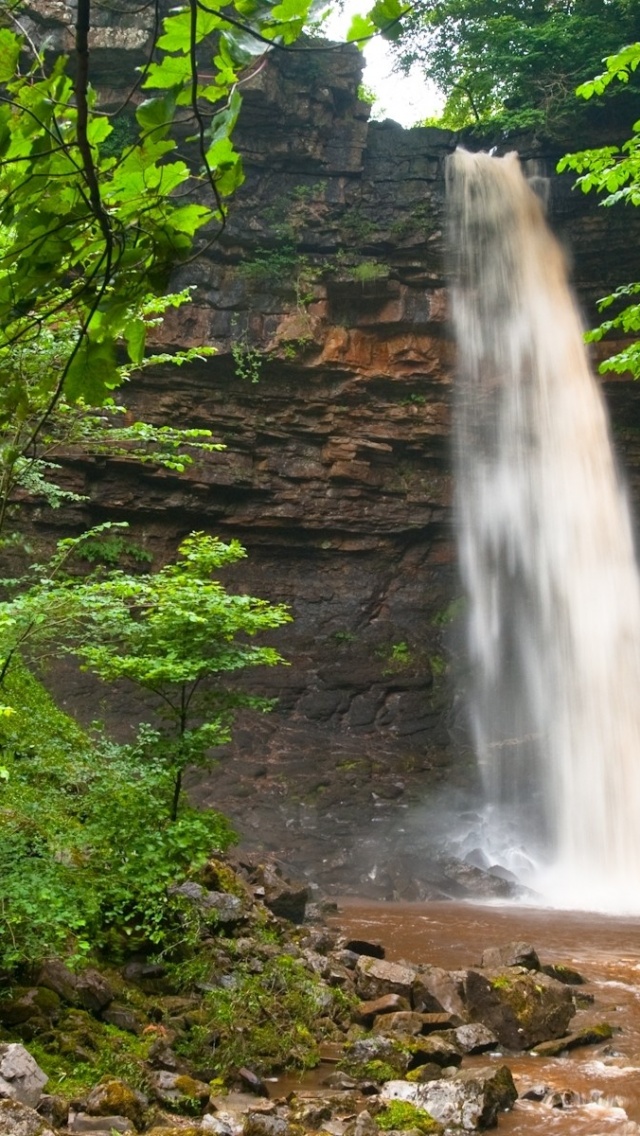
(475, 1038)
(590, 1035)
(435, 990)
(433, 1050)
(376, 977)
(377, 1007)
(513, 954)
(365, 947)
(21, 1078)
(404, 1021)
(521, 1008)
(468, 1100)
(17, 1119)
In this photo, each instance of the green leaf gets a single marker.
(362, 28)
(135, 334)
(10, 47)
(93, 373)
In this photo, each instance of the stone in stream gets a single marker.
(467, 1100)
(21, 1078)
(475, 1038)
(522, 1008)
(376, 977)
(435, 990)
(513, 954)
(590, 1035)
(365, 1013)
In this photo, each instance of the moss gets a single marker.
(401, 1115)
(377, 1070)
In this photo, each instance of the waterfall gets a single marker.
(546, 553)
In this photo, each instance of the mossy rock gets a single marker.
(402, 1115)
(522, 1008)
(112, 1097)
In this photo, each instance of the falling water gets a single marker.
(547, 556)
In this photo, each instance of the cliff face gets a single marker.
(331, 391)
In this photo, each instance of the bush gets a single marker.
(86, 843)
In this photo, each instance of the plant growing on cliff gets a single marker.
(174, 635)
(614, 171)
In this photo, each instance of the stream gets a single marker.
(604, 949)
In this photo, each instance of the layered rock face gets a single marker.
(331, 391)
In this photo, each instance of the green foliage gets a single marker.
(247, 361)
(513, 66)
(173, 634)
(264, 1021)
(93, 221)
(271, 267)
(86, 843)
(614, 171)
(400, 1115)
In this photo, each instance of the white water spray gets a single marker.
(547, 555)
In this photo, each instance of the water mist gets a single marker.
(546, 554)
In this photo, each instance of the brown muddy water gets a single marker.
(606, 951)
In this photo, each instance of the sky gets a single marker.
(405, 99)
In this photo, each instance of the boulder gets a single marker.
(123, 1018)
(215, 906)
(468, 1100)
(387, 1004)
(521, 1008)
(113, 1097)
(475, 1038)
(37, 1005)
(177, 1090)
(364, 947)
(84, 1122)
(376, 977)
(17, 1119)
(88, 989)
(21, 1078)
(404, 1021)
(435, 990)
(433, 1050)
(513, 954)
(590, 1035)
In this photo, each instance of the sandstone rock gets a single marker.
(434, 990)
(371, 1058)
(434, 1050)
(365, 947)
(123, 1018)
(404, 1021)
(564, 974)
(177, 1090)
(467, 1100)
(93, 990)
(521, 1008)
(84, 1122)
(257, 1124)
(54, 1109)
(37, 1005)
(475, 1038)
(590, 1035)
(513, 954)
(21, 1078)
(88, 988)
(112, 1096)
(18, 1119)
(432, 1023)
(376, 977)
(219, 906)
(387, 1004)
